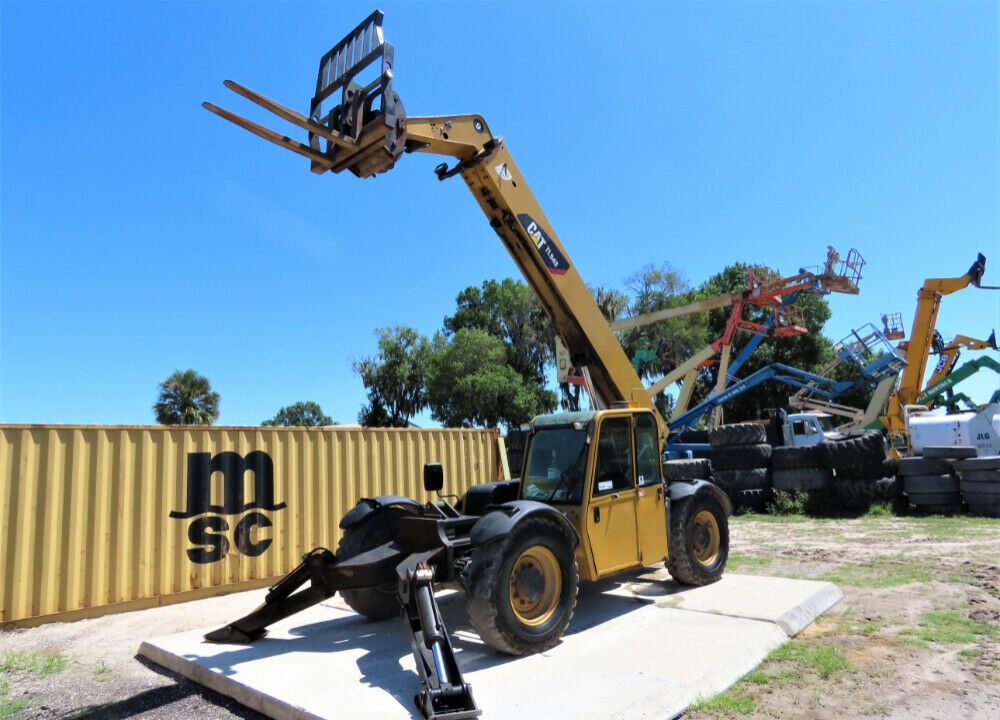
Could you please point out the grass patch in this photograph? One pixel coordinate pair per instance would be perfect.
(32, 664)
(883, 571)
(880, 510)
(824, 660)
(951, 628)
(747, 563)
(11, 709)
(102, 672)
(728, 703)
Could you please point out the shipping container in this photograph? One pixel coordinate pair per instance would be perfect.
(105, 518)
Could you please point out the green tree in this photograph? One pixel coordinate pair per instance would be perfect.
(471, 384)
(300, 414)
(508, 310)
(394, 378)
(186, 398)
(671, 341)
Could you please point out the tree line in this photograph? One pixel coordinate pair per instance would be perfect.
(489, 364)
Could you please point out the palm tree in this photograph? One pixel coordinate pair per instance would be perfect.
(186, 398)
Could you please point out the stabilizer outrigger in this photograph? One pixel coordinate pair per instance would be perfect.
(408, 561)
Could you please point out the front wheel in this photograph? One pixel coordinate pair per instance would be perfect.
(699, 540)
(521, 588)
(380, 602)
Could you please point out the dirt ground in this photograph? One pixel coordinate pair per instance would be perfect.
(917, 634)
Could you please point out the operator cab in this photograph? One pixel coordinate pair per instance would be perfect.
(602, 469)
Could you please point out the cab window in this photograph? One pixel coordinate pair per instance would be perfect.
(647, 452)
(614, 456)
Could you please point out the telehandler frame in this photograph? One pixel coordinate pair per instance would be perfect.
(591, 501)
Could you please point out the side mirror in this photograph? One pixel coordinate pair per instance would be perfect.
(433, 477)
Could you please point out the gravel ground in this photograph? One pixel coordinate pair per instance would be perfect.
(916, 636)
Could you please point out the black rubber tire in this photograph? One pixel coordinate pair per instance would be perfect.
(691, 469)
(939, 509)
(949, 452)
(867, 449)
(980, 475)
(738, 457)
(860, 493)
(733, 481)
(494, 568)
(795, 456)
(929, 484)
(792, 479)
(987, 462)
(871, 471)
(982, 494)
(752, 499)
(380, 602)
(935, 499)
(923, 466)
(737, 434)
(699, 540)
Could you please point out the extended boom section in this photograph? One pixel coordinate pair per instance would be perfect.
(367, 131)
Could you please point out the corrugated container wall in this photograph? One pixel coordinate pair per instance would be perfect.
(100, 518)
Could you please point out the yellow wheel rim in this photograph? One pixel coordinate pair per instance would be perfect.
(535, 585)
(705, 538)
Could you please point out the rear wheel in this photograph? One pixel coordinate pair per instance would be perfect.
(521, 588)
(380, 602)
(699, 540)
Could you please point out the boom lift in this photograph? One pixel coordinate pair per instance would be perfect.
(918, 348)
(591, 501)
(933, 392)
(866, 349)
(775, 293)
(950, 353)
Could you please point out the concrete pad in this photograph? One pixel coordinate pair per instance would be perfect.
(790, 604)
(641, 648)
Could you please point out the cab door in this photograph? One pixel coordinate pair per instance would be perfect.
(650, 501)
(612, 529)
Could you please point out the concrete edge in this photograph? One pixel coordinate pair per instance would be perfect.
(806, 612)
(253, 699)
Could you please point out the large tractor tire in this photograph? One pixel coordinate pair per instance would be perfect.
(699, 540)
(924, 466)
(521, 588)
(980, 484)
(794, 479)
(741, 457)
(949, 452)
(793, 457)
(380, 602)
(737, 434)
(865, 449)
(687, 469)
(748, 489)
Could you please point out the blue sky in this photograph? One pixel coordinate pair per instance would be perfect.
(139, 234)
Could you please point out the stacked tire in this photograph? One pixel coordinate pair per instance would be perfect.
(799, 468)
(861, 470)
(979, 484)
(687, 470)
(740, 459)
(930, 482)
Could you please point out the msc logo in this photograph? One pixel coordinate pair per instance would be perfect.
(208, 529)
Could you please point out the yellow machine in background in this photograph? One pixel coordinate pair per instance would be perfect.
(918, 348)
